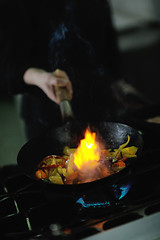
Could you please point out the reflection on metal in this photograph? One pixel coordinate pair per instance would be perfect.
(28, 224)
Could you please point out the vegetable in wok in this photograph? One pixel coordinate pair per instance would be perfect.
(58, 169)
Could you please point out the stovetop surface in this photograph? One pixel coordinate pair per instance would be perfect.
(28, 211)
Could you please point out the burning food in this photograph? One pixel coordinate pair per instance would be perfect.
(89, 162)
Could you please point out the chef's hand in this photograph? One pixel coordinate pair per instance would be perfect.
(48, 80)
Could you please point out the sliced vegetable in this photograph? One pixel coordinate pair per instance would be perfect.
(129, 152)
(56, 179)
(60, 169)
(68, 151)
(40, 174)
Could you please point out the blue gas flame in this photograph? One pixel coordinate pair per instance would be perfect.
(121, 191)
(92, 204)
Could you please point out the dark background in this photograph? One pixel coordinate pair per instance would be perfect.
(138, 27)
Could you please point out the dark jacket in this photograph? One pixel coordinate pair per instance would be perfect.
(73, 35)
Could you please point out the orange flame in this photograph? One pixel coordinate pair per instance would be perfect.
(87, 153)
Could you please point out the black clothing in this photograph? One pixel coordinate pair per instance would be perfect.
(75, 36)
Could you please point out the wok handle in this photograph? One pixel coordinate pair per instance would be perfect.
(64, 103)
(61, 93)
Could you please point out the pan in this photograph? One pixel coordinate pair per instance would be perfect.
(113, 134)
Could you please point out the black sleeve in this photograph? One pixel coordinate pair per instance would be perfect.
(24, 42)
(97, 26)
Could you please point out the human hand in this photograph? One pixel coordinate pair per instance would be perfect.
(48, 80)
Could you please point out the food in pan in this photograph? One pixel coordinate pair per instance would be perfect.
(89, 162)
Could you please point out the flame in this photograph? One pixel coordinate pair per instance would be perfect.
(88, 152)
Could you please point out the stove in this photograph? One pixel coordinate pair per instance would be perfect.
(28, 211)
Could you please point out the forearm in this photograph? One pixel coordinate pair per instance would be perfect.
(33, 76)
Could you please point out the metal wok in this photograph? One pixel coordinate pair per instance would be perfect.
(113, 134)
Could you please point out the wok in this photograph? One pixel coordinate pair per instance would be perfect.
(113, 134)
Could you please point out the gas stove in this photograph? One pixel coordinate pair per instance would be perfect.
(28, 211)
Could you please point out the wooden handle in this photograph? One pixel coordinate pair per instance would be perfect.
(66, 110)
(65, 106)
(61, 93)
